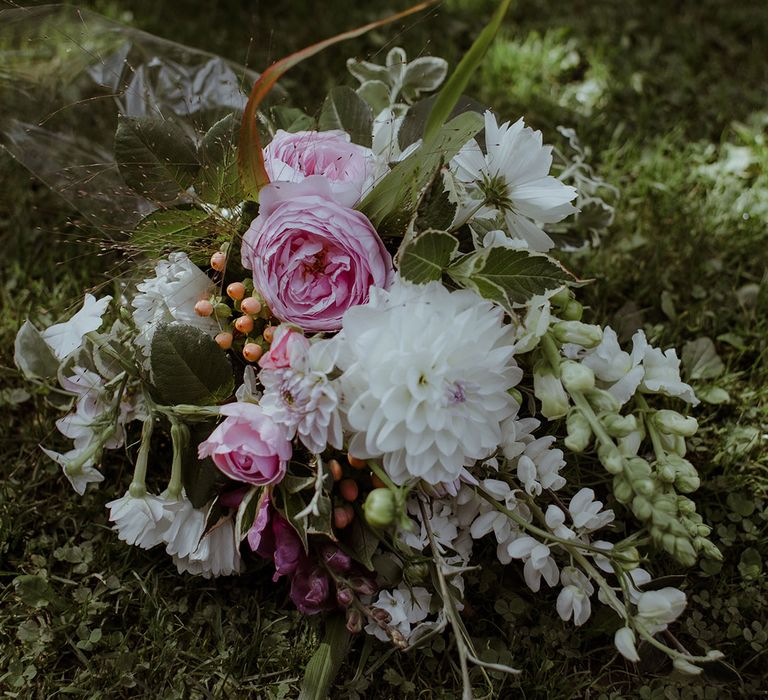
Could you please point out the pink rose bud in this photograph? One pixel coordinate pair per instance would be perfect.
(289, 347)
(350, 169)
(313, 258)
(248, 445)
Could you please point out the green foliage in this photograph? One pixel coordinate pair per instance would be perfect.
(344, 109)
(166, 230)
(425, 258)
(188, 367)
(32, 354)
(219, 182)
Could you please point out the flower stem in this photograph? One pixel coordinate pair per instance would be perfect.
(138, 488)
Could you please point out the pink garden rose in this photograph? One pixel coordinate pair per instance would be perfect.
(288, 348)
(248, 445)
(311, 257)
(348, 167)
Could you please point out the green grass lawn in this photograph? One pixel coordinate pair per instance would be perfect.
(670, 101)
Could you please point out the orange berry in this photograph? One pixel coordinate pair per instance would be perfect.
(356, 462)
(203, 308)
(218, 261)
(335, 468)
(377, 483)
(252, 352)
(343, 516)
(224, 340)
(349, 490)
(244, 324)
(269, 333)
(250, 306)
(236, 291)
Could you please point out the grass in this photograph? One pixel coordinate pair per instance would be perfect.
(670, 103)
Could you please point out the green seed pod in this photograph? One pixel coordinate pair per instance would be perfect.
(379, 507)
(584, 334)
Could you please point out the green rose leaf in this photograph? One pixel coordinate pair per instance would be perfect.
(166, 230)
(32, 355)
(188, 367)
(344, 109)
(219, 180)
(155, 157)
(393, 202)
(508, 276)
(427, 256)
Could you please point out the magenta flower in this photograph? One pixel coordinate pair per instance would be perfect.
(292, 157)
(311, 591)
(313, 258)
(248, 445)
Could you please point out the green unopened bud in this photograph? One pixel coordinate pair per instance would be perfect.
(416, 573)
(687, 483)
(686, 506)
(703, 530)
(667, 473)
(628, 557)
(576, 377)
(673, 423)
(584, 334)
(611, 458)
(645, 487)
(707, 549)
(619, 426)
(642, 507)
(629, 445)
(622, 489)
(684, 552)
(579, 432)
(379, 507)
(638, 468)
(561, 298)
(661, 520)
(573, 311)
(549, 390)
(665, 503)
(602, 401)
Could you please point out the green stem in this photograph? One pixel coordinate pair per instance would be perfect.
(138, 488)
(551, 352)
(585, 407)
(180, 439)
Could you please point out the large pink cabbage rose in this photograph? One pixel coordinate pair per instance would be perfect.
(248, 445)
(292, 157)
(312, 258)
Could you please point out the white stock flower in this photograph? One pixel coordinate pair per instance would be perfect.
(217, 554)
(624, 641)
(659, 608)
(304, 400)
(538, 561)
(171, 295)
(513, 177)
(65, 338)
(428, 404)
(79, 475)
(573, 600)
(140, 521)
(406, 607)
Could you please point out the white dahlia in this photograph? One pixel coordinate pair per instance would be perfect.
(426, 375)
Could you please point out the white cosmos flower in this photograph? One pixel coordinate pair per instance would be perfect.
(217, 554)
(65, 338)
(513, 177)
(573, 600)
(79, 475)
(414, 395)
(141, 521)
(171, 295)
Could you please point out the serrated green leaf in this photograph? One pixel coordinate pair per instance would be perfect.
(188, 366)
(218, 181)
(344, 109)
(32, 354)
(515, 274)
(167, 230)
(155, 157)
(425, 257)
(393, 202)
(327, 659)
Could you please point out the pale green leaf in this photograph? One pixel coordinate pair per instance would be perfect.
(425, 257)
(344, 109)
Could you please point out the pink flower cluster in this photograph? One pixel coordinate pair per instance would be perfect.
(312, 254)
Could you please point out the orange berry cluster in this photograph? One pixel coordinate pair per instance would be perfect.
(348, 487)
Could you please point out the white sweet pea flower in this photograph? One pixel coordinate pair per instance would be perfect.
(79, 473)
(573, 600)
(555, 519)
(513, 178)
(536, 323)
(538, 561)
(659, 608)
(624, 641)
(491, 520)
(140, 521)
(65, 338)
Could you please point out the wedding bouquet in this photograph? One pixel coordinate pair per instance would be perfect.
(366, 360)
